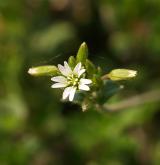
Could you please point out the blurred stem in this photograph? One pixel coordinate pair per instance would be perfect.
(148, 97)
(105, 77)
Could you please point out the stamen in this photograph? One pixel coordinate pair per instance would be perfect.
(72, 80)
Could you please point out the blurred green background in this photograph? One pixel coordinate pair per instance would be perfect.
(36, 128)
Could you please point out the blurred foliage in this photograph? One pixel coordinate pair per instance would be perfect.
(36, 128)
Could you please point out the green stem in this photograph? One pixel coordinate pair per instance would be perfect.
(145, 98)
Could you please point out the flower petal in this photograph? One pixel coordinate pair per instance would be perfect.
(60, 79)
(77, 68)
(81, 72)
(59, 85)
(84, 87)
(67, 68)
(84, 81)
(62, 70)
(66, 92)
(72, 93)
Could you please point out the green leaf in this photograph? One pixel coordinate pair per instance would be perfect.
(47, 70)
(82, 54)
(108, 89)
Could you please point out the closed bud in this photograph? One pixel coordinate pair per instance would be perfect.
(121, 74)
(72, 61)
(82, 54)
(47, 70)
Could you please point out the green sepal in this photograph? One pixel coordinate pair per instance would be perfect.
(72, 61)
(97, 81)
(90, 68)
(47, 70)
(82, 54)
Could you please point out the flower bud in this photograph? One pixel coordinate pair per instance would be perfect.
(72, 61)
(48, 70)
(82, 54)
(121, 74)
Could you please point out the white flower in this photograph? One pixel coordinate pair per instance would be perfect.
(71, 80)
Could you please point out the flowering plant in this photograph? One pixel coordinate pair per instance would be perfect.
(79, 75)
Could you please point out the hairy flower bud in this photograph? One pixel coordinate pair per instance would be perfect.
(47, 70)
(121, 74)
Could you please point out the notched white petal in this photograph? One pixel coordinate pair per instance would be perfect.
(60, 79)
(66, 92)
(59, 85)
(84, 87)
(67, 68)
(81, 72)
(85, 81)
(72, 93)
(62, 70)
(77, 68)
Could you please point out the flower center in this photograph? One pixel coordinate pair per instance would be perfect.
(73, 80)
